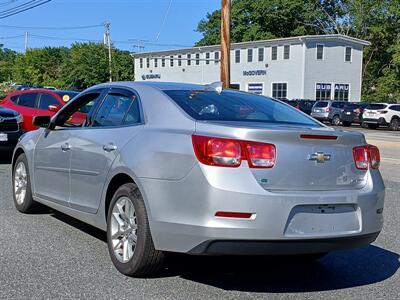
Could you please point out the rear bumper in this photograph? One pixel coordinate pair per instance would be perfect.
(182, 215)
(353, 118)
(380, 121)
(279, 247)
(320, 116)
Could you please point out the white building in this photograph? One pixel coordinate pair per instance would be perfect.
(307, 67)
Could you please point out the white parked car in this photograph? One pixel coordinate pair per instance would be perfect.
(382, 114)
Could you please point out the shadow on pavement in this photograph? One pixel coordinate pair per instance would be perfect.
(5, 157)
(338, 270)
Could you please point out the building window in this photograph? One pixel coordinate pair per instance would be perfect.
(236, 86)
(274, 53)
(347, 55)
(286, 52)
(141, 63)
(323, 91)
(148, 62)
(237, 56)
(179, 60)
(255, 88)
(342, 92)
(189, 59)
(320, 52)
(207, 58)
(163, 62)
(155, 63)
(197, 59)
(171, 61)
(249, 55)
(279, 90)
(260, 54)
(216, 57)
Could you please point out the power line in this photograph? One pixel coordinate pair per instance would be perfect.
(164, 20)
(25, 9)
(19, 6)
(52, 28)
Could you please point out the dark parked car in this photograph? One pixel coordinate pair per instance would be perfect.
(352, 113)
(305, 105)
(290, 102)
(10, 128)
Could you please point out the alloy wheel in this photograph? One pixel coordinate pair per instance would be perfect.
(20, 182)
(124, 229)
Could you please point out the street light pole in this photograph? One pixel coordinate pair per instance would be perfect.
(226, 43)
(107, 40)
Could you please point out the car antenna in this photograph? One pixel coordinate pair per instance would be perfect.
(215, 86)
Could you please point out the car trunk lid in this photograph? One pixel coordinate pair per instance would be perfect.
(307, 158)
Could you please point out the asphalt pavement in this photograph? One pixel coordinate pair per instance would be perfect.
(50, 255)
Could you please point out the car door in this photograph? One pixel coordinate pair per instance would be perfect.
(52, 155)
(27, 107)
(94, 149)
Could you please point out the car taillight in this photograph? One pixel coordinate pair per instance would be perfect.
(217, 151)
(222, 152)
(260, 155)
(365, 156)
(328, 109)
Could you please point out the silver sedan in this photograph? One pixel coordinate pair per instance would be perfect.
(200, 170)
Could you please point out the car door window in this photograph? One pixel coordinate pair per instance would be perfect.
(116, 110)
(28, 100)
(46, 100)
(78, 113)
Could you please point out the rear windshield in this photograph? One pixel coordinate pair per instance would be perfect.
(352, 106)
(236, 106)
(66, 95)
(376, 106)
(321, 104)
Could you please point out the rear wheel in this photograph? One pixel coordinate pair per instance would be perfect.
(335, 120)
(372, 126)
(394, 124)
(128, 234)
(22, 192)
(346, 124)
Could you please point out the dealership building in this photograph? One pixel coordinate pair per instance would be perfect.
(319, 67)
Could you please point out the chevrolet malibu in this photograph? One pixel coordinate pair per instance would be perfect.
(167, 167)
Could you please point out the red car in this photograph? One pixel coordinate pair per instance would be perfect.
(31, 103)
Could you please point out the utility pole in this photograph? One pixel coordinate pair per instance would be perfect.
(226, 43)
(107, 41)
(26, 41)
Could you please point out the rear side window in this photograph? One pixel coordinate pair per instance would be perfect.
(376, 106)
(395, 107)
(14, 99)
(27, 100)
(321, 104)
(46, 100)
(232, 105)
(117, 110)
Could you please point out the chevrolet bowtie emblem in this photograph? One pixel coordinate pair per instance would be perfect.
(319, 157)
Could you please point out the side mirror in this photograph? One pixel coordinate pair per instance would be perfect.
(54, 108)
(41, 121)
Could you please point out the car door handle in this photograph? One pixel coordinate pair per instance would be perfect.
(109, 147)
(65, 147)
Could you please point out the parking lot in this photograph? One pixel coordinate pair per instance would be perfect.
(50, 255)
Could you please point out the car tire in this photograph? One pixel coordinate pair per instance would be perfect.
(346, 124)
(394, 124)
(335, 120)
(22, 192)
(372, 126)
(130, 243)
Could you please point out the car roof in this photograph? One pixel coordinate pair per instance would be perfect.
(152, 84)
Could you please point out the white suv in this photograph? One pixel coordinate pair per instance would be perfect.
(382, 114)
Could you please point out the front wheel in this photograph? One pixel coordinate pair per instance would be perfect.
(394, 125)
(22, 192)
(130, 243)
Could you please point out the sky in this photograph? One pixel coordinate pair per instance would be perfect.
(163, 24)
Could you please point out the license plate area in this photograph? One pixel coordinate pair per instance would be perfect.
(3, 137)
(323, 220)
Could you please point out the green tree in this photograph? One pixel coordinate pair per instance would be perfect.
(7, 58)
